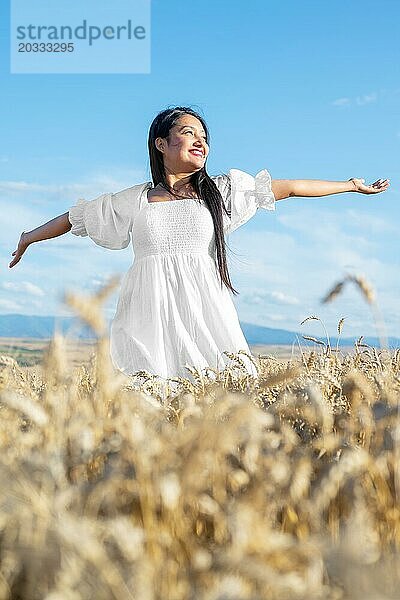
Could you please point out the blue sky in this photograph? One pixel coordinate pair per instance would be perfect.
(307, 90)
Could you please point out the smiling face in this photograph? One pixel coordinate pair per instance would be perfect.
(186, 149)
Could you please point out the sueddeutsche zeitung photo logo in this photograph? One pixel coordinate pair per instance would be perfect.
(90, 38)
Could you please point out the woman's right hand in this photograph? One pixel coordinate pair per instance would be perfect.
(22, 246)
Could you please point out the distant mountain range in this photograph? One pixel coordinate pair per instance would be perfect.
(257, 335)
(32, 326)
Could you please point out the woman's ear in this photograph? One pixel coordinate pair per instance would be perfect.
(159, 144)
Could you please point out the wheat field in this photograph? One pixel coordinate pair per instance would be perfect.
(284, 486)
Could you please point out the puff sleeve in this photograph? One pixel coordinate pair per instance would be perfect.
(243, 194)
(108, 219)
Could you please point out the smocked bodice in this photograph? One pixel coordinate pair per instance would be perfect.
(182, 226)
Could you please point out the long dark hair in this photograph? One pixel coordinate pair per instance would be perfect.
(202, 183)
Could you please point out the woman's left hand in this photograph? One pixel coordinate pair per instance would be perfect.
(380, 185)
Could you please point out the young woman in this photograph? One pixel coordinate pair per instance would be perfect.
(174, 306)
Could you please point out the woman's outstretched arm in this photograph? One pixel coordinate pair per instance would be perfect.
(57, 226)
(285, 188)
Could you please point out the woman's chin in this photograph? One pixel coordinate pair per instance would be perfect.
(194, 165)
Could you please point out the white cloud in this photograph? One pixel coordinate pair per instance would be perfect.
(369, 223)
(282, 298)
(341, 102)
(93, 184)
(366, 98)
(277, 317)
(24, 186)
(358, 100)
(275, 297)
(24, 287)
(97, 282)
(9, 305)
(349, 228)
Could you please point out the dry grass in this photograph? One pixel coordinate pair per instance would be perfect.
(285, 486)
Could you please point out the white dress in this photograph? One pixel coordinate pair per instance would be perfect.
(172, 309)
